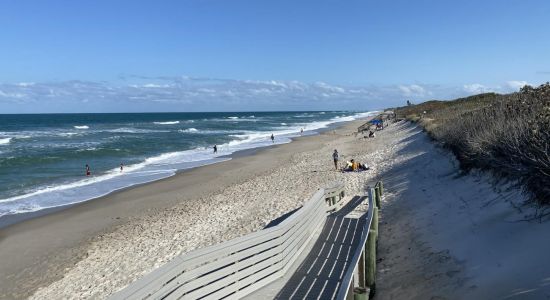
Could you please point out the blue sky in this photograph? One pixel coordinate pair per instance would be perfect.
(101, 56)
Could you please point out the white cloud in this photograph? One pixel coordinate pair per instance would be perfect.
(262, 91)
(476, 88)
(182, 93)
(413, 90)
(515, 85)
(153, 85)
(12, 95)
(507, 87)
(329, 88)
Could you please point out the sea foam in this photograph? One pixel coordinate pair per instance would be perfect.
(189, 130)
(167, 123)
(158, 166)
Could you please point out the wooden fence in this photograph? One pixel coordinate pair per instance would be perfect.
(359, 282)
(333, 197)
(240, 266)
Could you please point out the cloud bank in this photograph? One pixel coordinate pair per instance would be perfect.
(140, 93)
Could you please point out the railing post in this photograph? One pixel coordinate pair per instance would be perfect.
(361, 269)
(361, 294)
(374, 224)
(373, 194)
(371, 261)
(372, 238)
(350, 290)
(378, 195)
(381, 187)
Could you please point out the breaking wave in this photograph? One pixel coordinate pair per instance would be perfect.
(167, 123)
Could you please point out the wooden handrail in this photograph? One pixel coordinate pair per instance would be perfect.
(334, 196)
(240, 266)
(367, 247)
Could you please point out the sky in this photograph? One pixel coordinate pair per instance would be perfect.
(232, 55)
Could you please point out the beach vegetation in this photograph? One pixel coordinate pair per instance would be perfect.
(507, 135)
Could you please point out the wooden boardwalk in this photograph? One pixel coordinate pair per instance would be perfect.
(316, 252)
(319, 274)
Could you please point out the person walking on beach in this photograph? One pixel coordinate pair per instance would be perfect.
(215, 149)
(272, 138)
(335, 158)
(301, 131)
(88, 173)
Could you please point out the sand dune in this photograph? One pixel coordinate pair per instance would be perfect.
(447, 235)
(443, 234)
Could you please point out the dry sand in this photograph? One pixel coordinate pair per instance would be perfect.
(447, 235)
(97, 248)
(443, 235)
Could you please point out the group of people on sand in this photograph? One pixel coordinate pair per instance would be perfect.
(370, 135)
(378, 125)
(351, 166)
(354, 166)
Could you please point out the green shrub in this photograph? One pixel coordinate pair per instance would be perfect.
(508, 135)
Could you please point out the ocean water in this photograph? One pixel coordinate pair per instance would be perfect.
(43, 157)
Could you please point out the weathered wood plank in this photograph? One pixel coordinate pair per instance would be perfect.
(236, 266)
(230, 284)
(348, 276)
(182, 264)
(226, 266)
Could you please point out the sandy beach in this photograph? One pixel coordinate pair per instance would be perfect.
(98, 247)
(170, 150)
(449, 235)
(443, 234)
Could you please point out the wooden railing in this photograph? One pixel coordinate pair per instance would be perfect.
(334, 196)
(359, 282)
(240, 266)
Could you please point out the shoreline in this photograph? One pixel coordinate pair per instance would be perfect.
(431, 216)
(54, 241)
(13, 219)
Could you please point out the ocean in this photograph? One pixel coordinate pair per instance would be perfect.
(43, 156)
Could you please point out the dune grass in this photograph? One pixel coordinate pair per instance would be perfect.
(507, 135)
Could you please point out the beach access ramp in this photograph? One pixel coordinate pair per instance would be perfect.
(323, 250)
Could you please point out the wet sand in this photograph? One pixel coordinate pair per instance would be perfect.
(41, 251)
